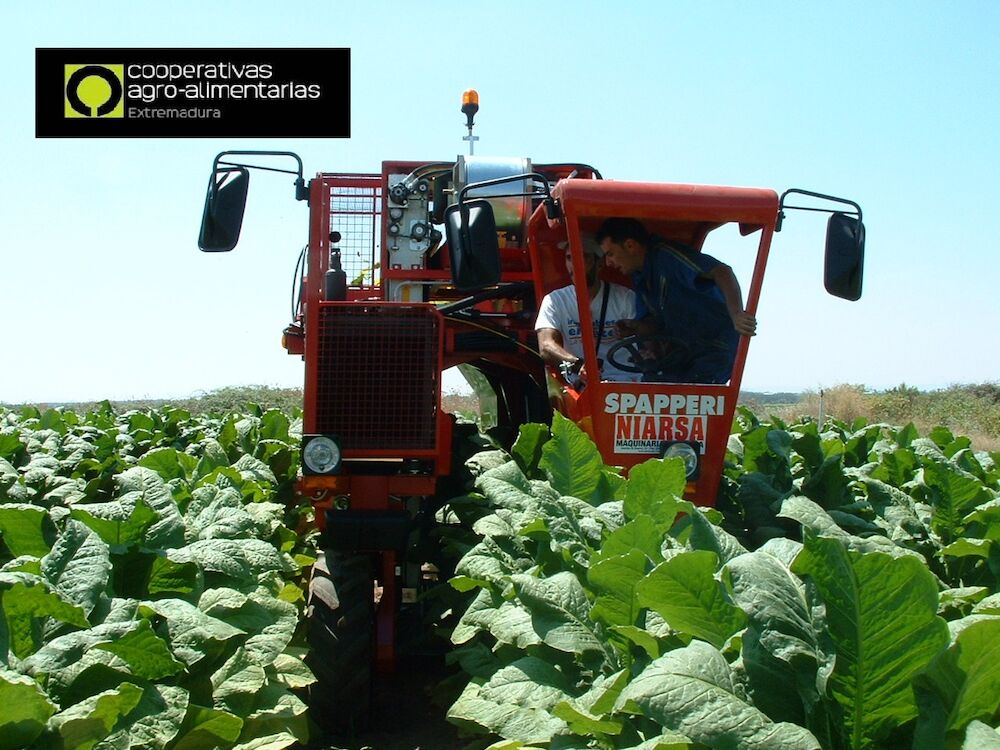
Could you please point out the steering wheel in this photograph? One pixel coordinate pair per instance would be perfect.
(641, 349)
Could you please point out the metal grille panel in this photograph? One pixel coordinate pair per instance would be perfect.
(377, 377)
(356, 212)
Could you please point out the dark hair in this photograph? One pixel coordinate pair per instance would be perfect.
(619, 229)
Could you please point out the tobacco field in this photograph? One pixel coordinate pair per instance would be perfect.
(149, 581)
(843, 595)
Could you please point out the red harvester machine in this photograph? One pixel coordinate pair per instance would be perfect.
(425, 266)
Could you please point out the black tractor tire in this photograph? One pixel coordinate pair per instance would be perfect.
(341, 624)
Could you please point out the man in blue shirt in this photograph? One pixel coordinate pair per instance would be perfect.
(689, 299)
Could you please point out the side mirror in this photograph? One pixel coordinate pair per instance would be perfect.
(845, 256)
(471, 230)
(223, 214)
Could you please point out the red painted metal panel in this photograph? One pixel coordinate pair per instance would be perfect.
(647, 200)
(628, 421)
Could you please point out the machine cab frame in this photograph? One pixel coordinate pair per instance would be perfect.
(631, 422)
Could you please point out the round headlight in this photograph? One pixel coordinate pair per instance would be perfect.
(321, 455)
(686, 453)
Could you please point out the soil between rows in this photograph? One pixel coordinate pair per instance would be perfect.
(404, 717)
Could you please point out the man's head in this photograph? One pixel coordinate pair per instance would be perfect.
(590, 257)
(623, 242)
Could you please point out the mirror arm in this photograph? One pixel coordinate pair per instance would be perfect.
(301, 190)
(823, 196)
(552, 208)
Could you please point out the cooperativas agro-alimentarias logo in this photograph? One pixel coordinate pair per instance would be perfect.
(94, 91)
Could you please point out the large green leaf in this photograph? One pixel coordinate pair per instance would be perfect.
(84, 724)
(290, 671)
(25, 710)
(170, 463)
(23, 529)
(654, 488)
(153, 723)
(169, 577)
(527, 449)
(268, 517)
(705, 535)
(207, 729)
(69, 649)
(882, 616)
(642, 533)
(516, 702)
(24, 600)
(768, 451)
(271, 622)
(192, 633)
(692, 690)
(120, 523)
(78, 565)
(168, 530)
(217, 513)
(492, 562)
(506, 486)
(570, 525)
(529, 682)
(980, 736)
(236, 683)
(254, 469)
(984, 521)
(573, 464)
(960, 684)
(589, 714)
(242, 560)
(508, 622)
(953, 493)
(276, 711)
(784, 651)
(213, 457)
(896, 468)
(560, 611)
(897, 511)
(616, 579)
(811, 516)
(685, 592)
(146, 654)
(819, 522)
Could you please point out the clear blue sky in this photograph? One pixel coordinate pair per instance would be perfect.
(893, 104)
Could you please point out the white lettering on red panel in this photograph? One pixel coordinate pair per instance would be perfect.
(644, 422)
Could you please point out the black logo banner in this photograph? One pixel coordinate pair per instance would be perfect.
(192, 93)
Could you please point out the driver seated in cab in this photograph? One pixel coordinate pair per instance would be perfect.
(689, 307)
(560, 341)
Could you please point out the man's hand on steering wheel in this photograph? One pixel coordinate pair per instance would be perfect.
(641, 327)
(647, 353)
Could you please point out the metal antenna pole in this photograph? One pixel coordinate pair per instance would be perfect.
(472, 141)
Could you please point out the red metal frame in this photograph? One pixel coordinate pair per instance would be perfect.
(610, 412)
(365, 492)
(622, 417)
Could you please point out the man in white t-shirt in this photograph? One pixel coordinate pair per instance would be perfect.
(558, 324)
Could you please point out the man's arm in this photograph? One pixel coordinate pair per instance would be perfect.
(550, 346)
(744, 323)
